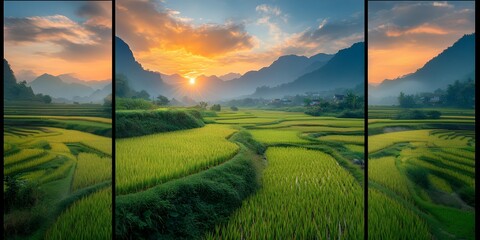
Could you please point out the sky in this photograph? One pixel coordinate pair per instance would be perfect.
(403, 36)
(59, 37)
(216, 37)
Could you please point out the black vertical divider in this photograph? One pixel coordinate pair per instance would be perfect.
(477, 218)
(113, 119)
(3, 126)
(365, 127)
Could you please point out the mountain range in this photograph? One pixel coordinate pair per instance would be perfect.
(457, 62)
(95, 84)
(289, 74)
(346, 69)
(66, 88)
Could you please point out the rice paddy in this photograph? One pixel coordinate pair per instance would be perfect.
(40, 155)
(150, 160)
(424, 179)
(319, 196)
(309, 187)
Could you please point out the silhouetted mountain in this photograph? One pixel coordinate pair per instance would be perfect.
(174, 79)
(95, 84)
(8, 76)
(230, 76)
(317, 62)
(285, 69)
(55, 87)
(454, 63)
(344, 70)
(97, 96)
(138, 78)
(13, 90)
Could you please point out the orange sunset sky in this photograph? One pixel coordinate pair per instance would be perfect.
(403, 36)
(59, 37)
(216, 37)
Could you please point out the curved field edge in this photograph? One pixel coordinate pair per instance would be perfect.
(443, 222)
(141, 161)
(140, 123)
(188, 207)
(97, 127)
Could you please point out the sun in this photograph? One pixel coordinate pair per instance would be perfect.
(191, 81)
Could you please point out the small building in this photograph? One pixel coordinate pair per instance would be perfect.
(286, 101)
(315, 102)
(434, 99)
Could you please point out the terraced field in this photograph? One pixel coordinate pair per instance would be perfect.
(298, 166)
(422, 173)
(150, 160)
(68, 171)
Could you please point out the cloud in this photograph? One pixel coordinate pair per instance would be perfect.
(268, 9)
(76, 41)
(328, 37)
(413, 32)
(272, 17)
(149, 25)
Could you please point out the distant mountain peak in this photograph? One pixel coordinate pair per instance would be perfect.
(453, 63)
(138, 77)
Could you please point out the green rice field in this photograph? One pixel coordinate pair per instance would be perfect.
(422, 174)
(308, 166)
(63, 164)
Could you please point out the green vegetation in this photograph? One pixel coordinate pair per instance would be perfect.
(199, 183)
(147, 161)
(133, 104)
(139, 123)
(299, 189)
(422, 174)
(87, 218)
(54, 165)
(187, 207)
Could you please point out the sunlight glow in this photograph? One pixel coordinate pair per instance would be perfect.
(191, 81)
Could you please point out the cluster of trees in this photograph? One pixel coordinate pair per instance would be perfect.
(128, 99)
(459, 94)
(351, 105)
(216, 107)
(123, 90)
(19, 91)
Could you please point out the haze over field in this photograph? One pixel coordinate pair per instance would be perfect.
(228, 51)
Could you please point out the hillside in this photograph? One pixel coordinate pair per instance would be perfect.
(56, 87)
(457, 62)
(139, 78)
(344, 70)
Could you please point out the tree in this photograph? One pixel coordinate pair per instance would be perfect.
(406, 101)
(107, 104)
(162, 100)
(216, 107)
(351, 100)
(461, 94)
(234, 108)
(143, 95)
(307, 101)
(203, 105)
(47, 99)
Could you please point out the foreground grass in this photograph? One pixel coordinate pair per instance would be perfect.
(147, 161)
(305, 194)
(73, 223)
(187, 207)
